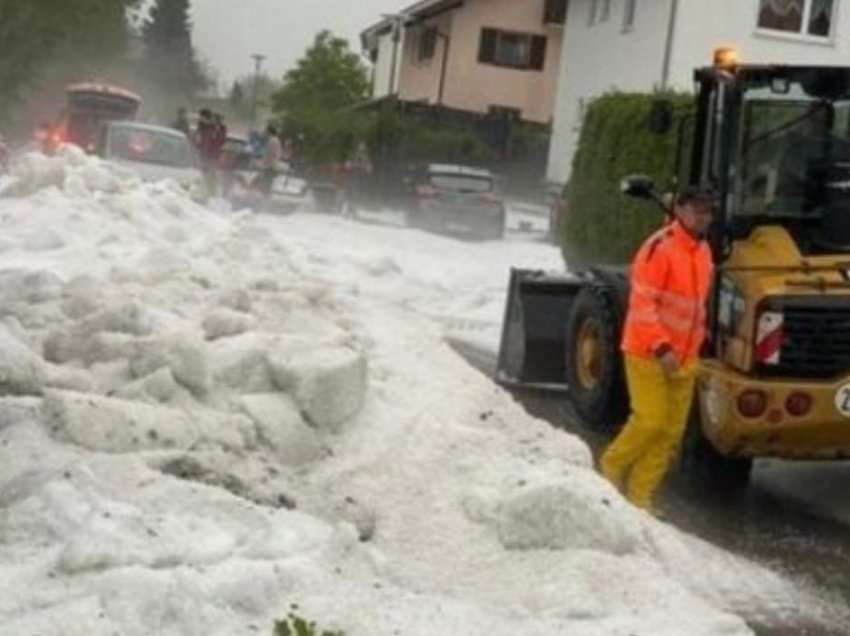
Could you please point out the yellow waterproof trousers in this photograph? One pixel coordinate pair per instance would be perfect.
(639, 458)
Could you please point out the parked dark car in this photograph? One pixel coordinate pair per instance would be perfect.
(456, 200)
(236, 155)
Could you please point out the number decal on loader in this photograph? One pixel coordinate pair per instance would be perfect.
(842, 400)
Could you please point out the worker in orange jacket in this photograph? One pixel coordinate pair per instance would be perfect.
(664, 331)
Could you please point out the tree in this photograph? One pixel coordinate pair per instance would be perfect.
(57, 35)
(266, 87)
(168, 26)
(315, 103)
(237, 95)
(171, 58)
(616, 141)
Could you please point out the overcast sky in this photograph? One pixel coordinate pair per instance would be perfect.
(227, 32)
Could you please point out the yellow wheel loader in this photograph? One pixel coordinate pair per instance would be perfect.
(774, 378)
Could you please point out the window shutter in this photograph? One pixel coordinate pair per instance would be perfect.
(538, 52)
(555, 12)
(487, 51)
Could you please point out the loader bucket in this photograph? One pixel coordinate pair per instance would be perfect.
(533, 349)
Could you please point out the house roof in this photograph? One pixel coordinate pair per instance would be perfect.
(418, 11)
(103, 89)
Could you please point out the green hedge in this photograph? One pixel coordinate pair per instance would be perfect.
(407, 138)
(600, 225)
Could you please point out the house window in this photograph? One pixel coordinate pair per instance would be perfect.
(555, 12)
(522, 51)
(427, 45)
(629, 16)
(513, 49)
(799, 17)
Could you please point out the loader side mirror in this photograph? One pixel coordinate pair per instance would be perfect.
(660, 116)
(639, 186)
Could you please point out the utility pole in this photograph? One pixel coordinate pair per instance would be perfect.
(258, 62)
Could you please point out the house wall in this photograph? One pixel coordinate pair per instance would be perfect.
(420, 80)
(702, 28)
(602, 58)
(381, 84)
(475, 87)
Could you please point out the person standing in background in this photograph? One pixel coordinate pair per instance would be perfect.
(182, 122)
(220, 131)
(358, 170)
(269, 163)
(5, 156)
(207, 140)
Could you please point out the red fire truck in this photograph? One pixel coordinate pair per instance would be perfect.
(87, 107)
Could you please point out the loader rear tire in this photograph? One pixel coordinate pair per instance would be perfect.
(594, 363)
(703, 466)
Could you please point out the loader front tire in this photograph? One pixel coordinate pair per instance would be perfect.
(594, 363)
(703, 466)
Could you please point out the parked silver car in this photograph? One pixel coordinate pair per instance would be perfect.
(152, 152)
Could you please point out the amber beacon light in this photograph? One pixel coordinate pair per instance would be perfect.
(726, 57)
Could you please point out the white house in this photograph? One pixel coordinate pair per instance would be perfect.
(639, 45)
(385, 44)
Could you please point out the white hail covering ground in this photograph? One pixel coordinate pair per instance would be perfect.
(206, 418)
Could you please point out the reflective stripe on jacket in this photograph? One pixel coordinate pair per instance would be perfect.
(670, 281)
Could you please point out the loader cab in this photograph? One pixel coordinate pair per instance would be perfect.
(774, 141)
(774, 378)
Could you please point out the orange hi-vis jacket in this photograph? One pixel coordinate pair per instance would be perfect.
(670, 282)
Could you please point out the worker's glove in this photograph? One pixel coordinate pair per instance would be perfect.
(669, 364)
(667, 359)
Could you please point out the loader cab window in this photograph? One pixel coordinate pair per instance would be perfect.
(700, 152)
(793, 164)
(711, 154)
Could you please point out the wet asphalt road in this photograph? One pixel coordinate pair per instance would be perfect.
(783, 531)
